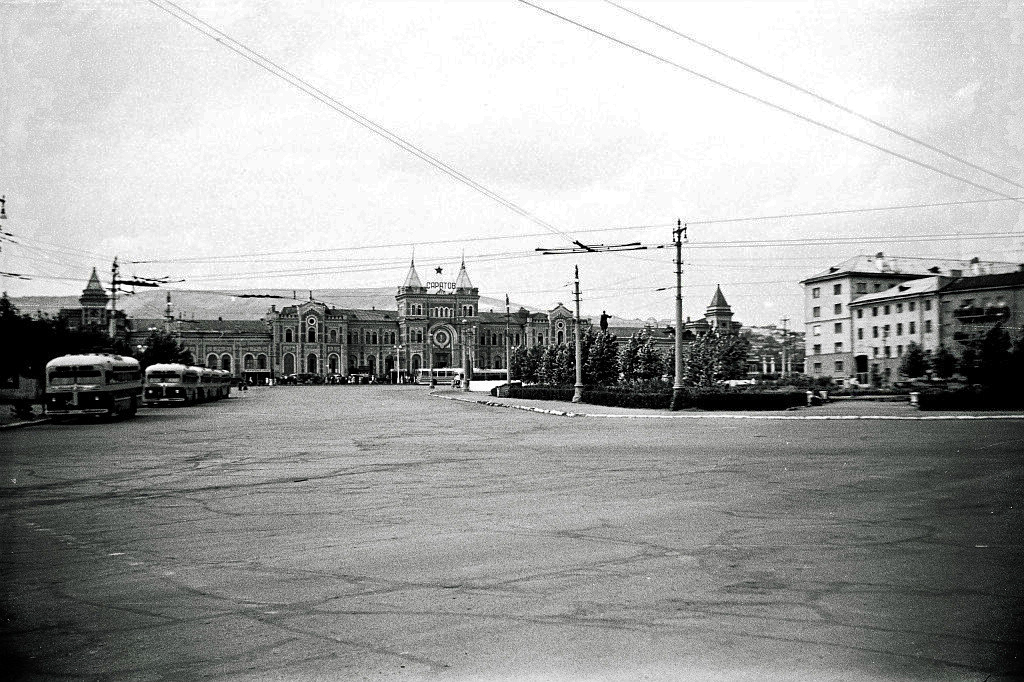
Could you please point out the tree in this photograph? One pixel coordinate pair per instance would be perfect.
(914, 362)
(640, 360)
(942, 363)
(526, 363)
(601, 359)
(161, 346)
(994, 357)
(716, 356)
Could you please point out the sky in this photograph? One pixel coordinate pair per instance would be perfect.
(125, 132)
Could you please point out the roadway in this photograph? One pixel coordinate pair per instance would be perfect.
(368, 532)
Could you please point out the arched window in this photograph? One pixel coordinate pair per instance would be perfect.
(416, 363)
(371, 362)
(352, 362)
(561, 337)
(311, 335)
(517, 339)
(225, 362)
(261, 361)
(211, 361)
(288, 335)
(334, 336)
(373, 338)
(311, 363)
(332, 363)
(289, 363)
(248, 362)
(497, 363)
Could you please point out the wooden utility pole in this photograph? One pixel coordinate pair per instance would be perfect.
(678, 235)
(577, 394)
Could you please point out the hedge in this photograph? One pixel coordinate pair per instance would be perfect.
(700, 398)
(971, 399)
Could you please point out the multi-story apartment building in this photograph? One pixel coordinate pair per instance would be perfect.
(830, 332)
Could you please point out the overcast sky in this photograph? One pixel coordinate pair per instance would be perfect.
(124, 131)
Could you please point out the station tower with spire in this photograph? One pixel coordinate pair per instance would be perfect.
(439, 317)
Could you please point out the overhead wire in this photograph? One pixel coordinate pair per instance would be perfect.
(284, 74)
(761, 100)
(817, 96)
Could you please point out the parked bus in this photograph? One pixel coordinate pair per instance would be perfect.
(214, 384)
(171, 383)
(442, 375)
(97, 384)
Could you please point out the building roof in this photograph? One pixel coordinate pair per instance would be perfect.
(94, 283)
(914, 287)
(1008, 279)
(718, 300)
(372, 315)
(412, 279)
(227, 326)
(907, 267)
(462, 281)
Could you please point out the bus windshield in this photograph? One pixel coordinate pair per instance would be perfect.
(165, 377)
(65, 376)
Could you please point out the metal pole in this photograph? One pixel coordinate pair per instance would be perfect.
(677, 385)
(577, 394)
(508, 345)
(785, 340)
(467, 364)
(113, 298)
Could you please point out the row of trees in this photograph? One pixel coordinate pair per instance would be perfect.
(989, 359)
(711, 357)
(30, 343)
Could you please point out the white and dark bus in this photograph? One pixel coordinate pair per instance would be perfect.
(442, 375)
(168, 383)
(214, 384)
(96, 384)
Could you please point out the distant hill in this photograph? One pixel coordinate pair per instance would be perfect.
(243, 304)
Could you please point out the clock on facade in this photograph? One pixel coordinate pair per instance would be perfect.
(311, 321)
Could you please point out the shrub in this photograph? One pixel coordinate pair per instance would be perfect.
(971, 398)
(659, 397)
(541, 393)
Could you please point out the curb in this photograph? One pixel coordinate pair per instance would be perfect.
(19, 425)
(765, 417)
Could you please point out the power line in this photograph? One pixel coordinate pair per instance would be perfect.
(765, 102)
(277, 70)
(435, 242)
(818, 97)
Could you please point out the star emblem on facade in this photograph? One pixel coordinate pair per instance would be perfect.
(439, 270)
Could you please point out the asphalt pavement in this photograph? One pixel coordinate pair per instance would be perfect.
(369, 532)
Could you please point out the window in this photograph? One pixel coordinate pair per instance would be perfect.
(837, 289)
(874, 332)
(287, 335)
(837, 309)
(334, 336)
(261, 361)
(912, 306)
(817, 349)
(816, 292)
(311, 335)
(838, 328)
(878, 287)
(839, 347)
(817, 368)
(373, 338)
(927, 326)
(874, 311)
(816, 312)
(874, 351)
(899, 329)
(860, 333)
(899, 350)
(888, 351)
(928, 304)
(839, 365)
(860, 313)
(816, 330)
(899, 307)
(912, 327)
(887, 310)
(956, 273)
(862, 287)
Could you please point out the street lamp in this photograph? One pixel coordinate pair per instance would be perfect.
(467, 356)
(398, 363)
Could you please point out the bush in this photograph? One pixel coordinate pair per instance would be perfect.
(659, 397)
(971, 398)
(561, 393)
